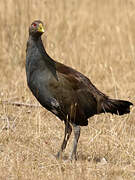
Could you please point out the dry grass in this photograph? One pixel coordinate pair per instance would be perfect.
(95, 37)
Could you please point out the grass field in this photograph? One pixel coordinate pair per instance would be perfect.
(95, 37)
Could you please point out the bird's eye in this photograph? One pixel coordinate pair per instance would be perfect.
(34, 24)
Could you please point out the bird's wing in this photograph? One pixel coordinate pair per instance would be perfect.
(74, 91)
(78, 80)
(69, 72)
(82, 91)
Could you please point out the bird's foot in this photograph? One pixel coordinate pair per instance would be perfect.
(73, 157)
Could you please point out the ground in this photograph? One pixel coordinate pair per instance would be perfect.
(95, 37)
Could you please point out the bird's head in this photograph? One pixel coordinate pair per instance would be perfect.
(36, 29)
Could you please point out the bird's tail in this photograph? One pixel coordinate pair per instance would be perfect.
(118, 107)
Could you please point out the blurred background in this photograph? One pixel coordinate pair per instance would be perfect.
(96, 37)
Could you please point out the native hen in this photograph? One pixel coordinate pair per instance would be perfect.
(64, 91)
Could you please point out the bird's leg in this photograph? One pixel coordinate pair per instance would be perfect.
(76, 129)
(68, 131)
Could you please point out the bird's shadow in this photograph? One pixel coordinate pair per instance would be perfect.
(81, 157)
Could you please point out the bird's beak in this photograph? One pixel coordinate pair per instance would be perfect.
(40, 28)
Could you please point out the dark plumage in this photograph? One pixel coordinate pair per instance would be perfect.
(64, 91)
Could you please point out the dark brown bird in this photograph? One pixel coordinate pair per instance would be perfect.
(64, 91)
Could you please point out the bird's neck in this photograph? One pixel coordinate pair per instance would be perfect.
(49, 62)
